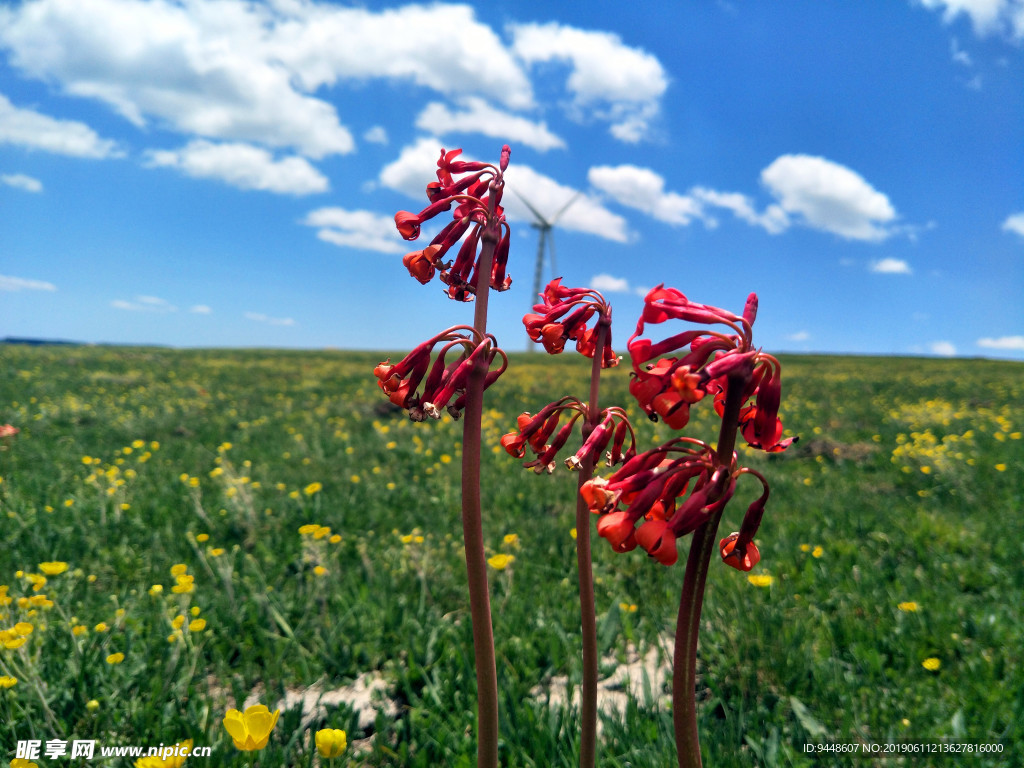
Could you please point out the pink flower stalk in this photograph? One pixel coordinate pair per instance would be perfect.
(666, 385)
(562, 315)
(444, 381)
(474, 211)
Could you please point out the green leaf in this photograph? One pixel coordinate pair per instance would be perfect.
(807, 720)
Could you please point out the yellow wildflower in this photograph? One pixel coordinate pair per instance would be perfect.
(197, 625)
(312, 488)
(6, 681)
(203, 537)
(760, 579)
(101, 627)
(156, 589)
(178, 569)
(115, 658)
(817, 552)
(932, 664)
(331, 742)
(500, 562)
(53, 568)
(908, 607)
(511, 539)
(250, 730)
(92, 705)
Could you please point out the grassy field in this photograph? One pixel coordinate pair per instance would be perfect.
(894, 540)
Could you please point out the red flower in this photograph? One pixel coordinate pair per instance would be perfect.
(476, 198)
(667, 384)
(444, 385)
(535, 431)
(673, 489)
(562, 315)
(8, 430)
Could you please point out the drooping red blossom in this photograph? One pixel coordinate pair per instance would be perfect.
(476, 199)
(534, 431)
(562, 316)
(671, 375)
(444, 380)
(670, 491)
(8, 430)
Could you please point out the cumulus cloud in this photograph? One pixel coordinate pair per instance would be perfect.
(378, 134)
(1012, 343)
(199, 68)
(417, 163)
(33, 130)
(363, 230)
(9, 283)
(21, 181)
(891, 266)
(243, 166)
(608, 80)
(200, 309)
(259, 317)
(606, 283)
(477, 116)
(145, 304)
(986, 16)
(799, 336)
(644, 190)
(942, 348)
(830, 197)
(1014, 223)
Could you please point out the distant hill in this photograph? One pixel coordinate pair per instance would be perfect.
(39, 342)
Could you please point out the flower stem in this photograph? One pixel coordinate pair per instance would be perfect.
(684, 677)
(472, 527)
(588, 611)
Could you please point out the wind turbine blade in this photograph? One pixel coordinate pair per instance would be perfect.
(543, 222)
(564, 208)
(539, 267)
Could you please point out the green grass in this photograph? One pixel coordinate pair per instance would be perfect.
(907, 476)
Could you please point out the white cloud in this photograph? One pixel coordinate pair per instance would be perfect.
(33, 130)
(942, 348)
(200, 68)
(891, 266)
(144, 304)
(829, 197)
(799, 336)
(200, 309)
(8, 283)
(21, 181)
(362, 230)
(441, 47)
(608, 284)
(773, 220)
(608, 79)
(477, 116)
(378, 134)
(243, 166)
(417, 163)
(259, 317)
(643, 189)
(1014, 343)
(1014, 223)
(987, 16)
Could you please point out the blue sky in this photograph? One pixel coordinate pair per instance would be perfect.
(224, 173)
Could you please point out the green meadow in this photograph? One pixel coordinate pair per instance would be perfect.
(262, 527)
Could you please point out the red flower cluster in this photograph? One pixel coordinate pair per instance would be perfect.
(666, 386)
(551, 324)
(477, 198)
(534, 431)
(649, 487)
(444, 384)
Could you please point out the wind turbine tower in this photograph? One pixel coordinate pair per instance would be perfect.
(544, 229)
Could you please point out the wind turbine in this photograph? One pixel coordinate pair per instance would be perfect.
(545, 236)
